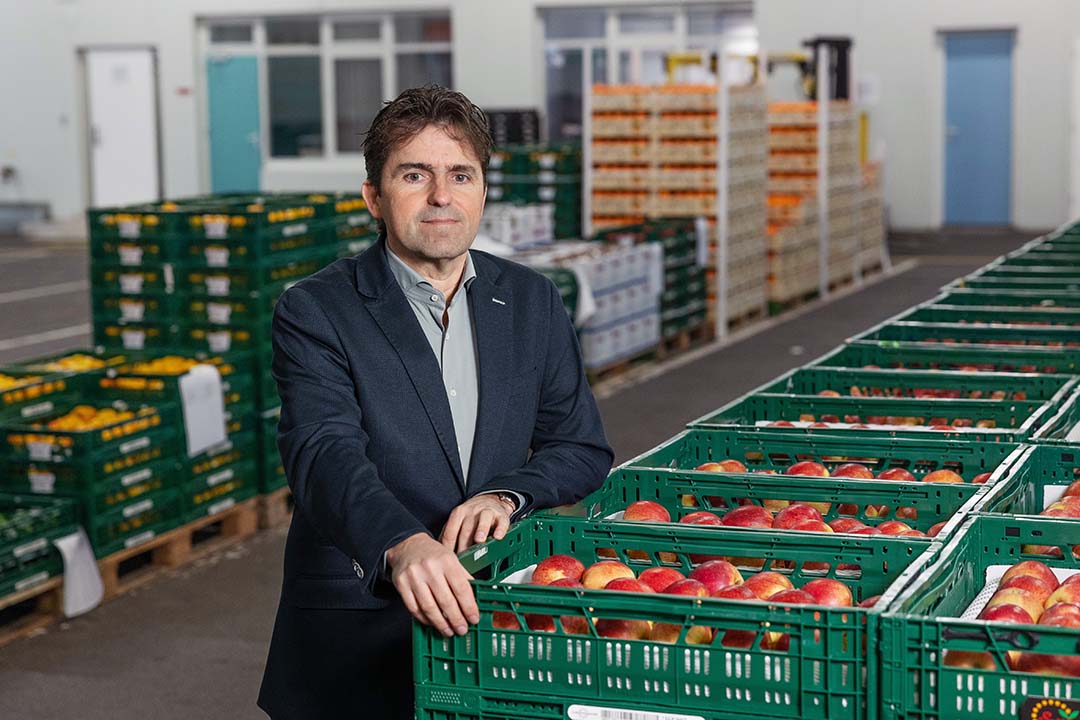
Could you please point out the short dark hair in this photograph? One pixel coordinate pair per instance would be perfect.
(413, 110)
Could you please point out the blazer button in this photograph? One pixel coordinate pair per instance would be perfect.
(359, 570)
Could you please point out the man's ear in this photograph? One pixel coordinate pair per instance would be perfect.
(371, 199)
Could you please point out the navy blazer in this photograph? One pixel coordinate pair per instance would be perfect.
(366, 434)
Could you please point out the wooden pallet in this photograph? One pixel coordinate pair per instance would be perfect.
(746, 319)
(620, 367)
(685, 339)
(28, 612)
(778, 307)
(132, 568)
(275, 508)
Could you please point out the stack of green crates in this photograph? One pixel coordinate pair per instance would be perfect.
(684, 301)
(529, 174)
(28, 526)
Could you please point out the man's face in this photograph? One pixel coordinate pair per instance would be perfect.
(432, 196)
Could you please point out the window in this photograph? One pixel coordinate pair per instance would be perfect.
(292, 32)
(421, 28)
(358, 94)
(637, 23)
(230, 34)
(357, 30)
(295, 106)
(416, 69)
(575, 23)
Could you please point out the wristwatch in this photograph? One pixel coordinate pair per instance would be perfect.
(509, 500)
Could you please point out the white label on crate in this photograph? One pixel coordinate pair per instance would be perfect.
(136, 444)
(355, 220)
(39, 409)
(167, 271)
(42, 482)
(290, 230)
(495, 193)
(480, 553)
(217, 285)
(218, 313)
(132, 310)
(221, 506)
(218, 478)
(31, 547)
(547, 194)
(216, 229)
(31, 581)
(547, 160)
(139, 507)
(216, 256)
(130, 255)
(494, 176)
(592, 712)
(136, 477)
(546, 176)
(39, 450)
(219, 340)
(139, 539)
(131, 283)
(129, 228)
(134, 339)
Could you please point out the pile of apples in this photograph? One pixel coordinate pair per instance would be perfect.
(1067, 507)
(925, 393)
(711, 579)
(856, 422)
(968, 367)
(1029, 593)
(847, 470)
(1032, 343)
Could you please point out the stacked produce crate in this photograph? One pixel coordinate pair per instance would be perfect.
(794, 236)
(519, 227)
(872, 230)
(540, 174)
(28, 526)
(907, 506)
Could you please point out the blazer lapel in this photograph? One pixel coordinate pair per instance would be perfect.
(493, 328)
(394, 315)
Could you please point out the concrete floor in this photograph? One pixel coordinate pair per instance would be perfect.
(192, 644)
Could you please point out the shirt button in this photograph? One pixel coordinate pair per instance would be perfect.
(453, 392)
(359, 570)
(434, 298)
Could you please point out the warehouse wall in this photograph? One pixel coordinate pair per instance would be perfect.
(898, 45)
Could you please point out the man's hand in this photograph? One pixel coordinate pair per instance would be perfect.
(433, 584)
(473, 520)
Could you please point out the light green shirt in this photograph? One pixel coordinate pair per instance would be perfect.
(454, 345)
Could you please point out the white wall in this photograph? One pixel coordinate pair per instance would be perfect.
(899, 44)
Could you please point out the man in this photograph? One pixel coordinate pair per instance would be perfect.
(429, 395)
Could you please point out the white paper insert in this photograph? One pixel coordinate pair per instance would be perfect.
(83, 589)
(202, 400)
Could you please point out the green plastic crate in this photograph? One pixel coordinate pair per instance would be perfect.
(246, 250)
(1049, 271)
(26, 575)
(827, 672)
(137, 523)
(223, 282)
(1013, 420)
(151, 251)
(1005, 315)
(239, 446)
(918, 356)
(1037, 478)
(992, 282)
(113, 308)
(924, 624)
(83, 365)
(220, 490)
(27, 394)
(271, 469)
(136, 337)
(137, 380)
(117, 279)
(951, 384)
(1034, 299)
(219, 338)
(1061, 261)
(991, 336)
(28, 518)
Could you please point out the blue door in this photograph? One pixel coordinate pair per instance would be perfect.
(233, 94)
(978, 128)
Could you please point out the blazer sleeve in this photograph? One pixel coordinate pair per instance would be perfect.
(322, 440)
(570, 454)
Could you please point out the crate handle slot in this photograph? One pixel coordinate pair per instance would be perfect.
(1030, 640)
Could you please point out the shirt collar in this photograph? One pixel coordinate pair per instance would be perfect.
(408, 278)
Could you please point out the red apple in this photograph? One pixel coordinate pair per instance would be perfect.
(1016, 596)
(557, 567)
(734, 592)
(1031, 584)
(845, 524)
(1006, 613)
(1073, 489)
(981, 478)
(807, 467)
(792, 515)
(659, 578)
(1065, 594)
(1072, 580)
(1055, 614)
(669, 633)
(722, 466)
(646, 511)
(624, 629)
(828, 393)
(540, 623)
(827, 591)
(943, 476)
(701, 517)
(870, 601)
(1062, 615)
(766, 584)
(898, 474)
(687, 587)
(1032, 567)
(868, 530)
(717, 574)
(782, 423)
(752, 516)
(501, 620)
(853, 470)
(601, 573)
(628, 584)
(812, 526)
(793, 597)
(936, 528)
(907, 513)
(893, 527)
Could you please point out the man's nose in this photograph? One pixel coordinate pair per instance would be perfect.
(440, 193)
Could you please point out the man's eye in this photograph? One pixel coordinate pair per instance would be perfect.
(413, 177)
(462, 178)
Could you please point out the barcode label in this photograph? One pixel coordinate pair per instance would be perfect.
(216, 228)
(139, 507)
(134, 339)
(139, 539)
(39, 409)
(129, 228)
(355, 220)
(290, 230)
(218, 313)
(31, 547)
(42, 482)
(219, 340)
(221, 506)
(217, 256)
(217, 286)
(591, 712)
(31, 581)
(39, 450)
(135, 477)
(130, 255)
(218, 478)
(133, 445)
(133, 311)
(130, 284)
